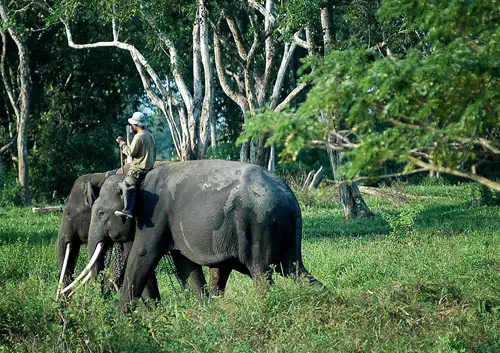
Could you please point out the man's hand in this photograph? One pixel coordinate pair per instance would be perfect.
(120, 139)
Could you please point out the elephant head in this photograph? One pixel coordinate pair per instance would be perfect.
(75, 224)
(103, 228)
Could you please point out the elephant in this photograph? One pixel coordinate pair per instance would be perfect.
(223, 214)
(74, 230)
(75, 224)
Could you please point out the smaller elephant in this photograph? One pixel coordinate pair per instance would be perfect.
(74, 230)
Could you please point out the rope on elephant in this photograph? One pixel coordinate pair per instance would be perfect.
(170, 264)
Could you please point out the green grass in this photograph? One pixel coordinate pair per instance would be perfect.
(422, 276)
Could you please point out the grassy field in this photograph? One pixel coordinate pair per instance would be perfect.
(422, 276)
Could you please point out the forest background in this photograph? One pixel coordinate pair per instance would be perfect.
(397, 86)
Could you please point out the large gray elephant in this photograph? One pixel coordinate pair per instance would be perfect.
(222, 214)
(74, 231)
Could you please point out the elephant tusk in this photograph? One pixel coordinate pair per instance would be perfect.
(85, 280)
(87, 269)
(63, 270)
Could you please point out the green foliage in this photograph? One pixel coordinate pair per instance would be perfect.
(436, 101)
(80, 100)
(296, 14)
(484, 196)
(435, 291)
(226, 151)
(10, 191)
(402, 223)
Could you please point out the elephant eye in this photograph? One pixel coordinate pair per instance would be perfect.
(100, 213)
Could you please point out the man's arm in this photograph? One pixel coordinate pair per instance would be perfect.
(131, 150)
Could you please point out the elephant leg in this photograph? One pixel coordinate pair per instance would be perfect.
(117, 266)
(151, 291)
(218, 279)
(144, 256)
(261, 269)
(190, 273)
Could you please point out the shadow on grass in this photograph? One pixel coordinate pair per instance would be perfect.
(337, 227)
(458, 218)
(449, 219)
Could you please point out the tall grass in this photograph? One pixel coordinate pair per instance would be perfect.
(423, 275)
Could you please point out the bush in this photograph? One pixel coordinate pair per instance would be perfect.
(482, 195)
(10, 194)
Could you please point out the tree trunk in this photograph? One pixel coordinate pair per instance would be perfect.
(352, 201)
(262, 85)
(20, 103)
(350, 197)
(245, 152)
(354, 205)
(2, 173)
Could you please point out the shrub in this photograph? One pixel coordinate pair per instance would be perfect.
(10, 194)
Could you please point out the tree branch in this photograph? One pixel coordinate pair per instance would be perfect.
(265, 11)
(270, 53)
(482, 180)
(226, 87)
(249, 72)
(285, 61)
(299, 41)
(291, 96)
(8, 145)
(5, 77)
(237, 36)
(174, 60)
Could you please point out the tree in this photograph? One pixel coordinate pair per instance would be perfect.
(77, 102)
(18, 88)
(426, 97)
(314, 17)
(256, 77)
(81, 102)
(188, 112)
(350, 197)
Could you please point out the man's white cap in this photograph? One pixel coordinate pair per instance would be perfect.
(138, 119)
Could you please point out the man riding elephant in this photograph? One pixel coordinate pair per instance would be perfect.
(222, 214)
(143, 153)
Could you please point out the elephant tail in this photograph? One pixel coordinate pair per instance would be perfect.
(296, 267)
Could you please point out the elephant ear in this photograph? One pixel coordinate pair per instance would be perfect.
(88, 194)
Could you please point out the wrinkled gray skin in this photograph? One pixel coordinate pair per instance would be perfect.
(74, 229)
(222, 214)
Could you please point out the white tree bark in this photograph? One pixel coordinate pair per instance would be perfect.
(207, 110)
(20, 100)
(257, 91)
(326, 27)
(188, 119)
